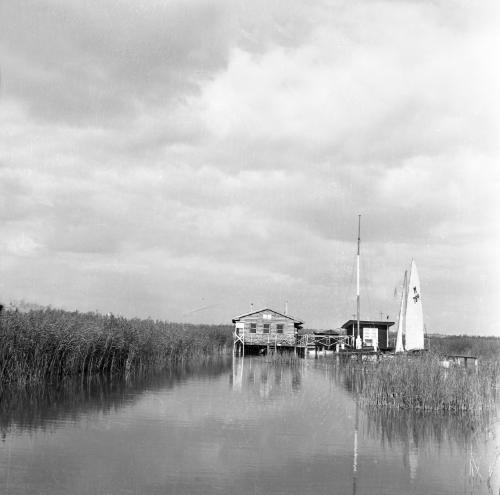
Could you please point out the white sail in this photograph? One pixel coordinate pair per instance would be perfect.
(402, 314)
(414, 318)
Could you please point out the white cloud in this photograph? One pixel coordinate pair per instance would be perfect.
(157, 156)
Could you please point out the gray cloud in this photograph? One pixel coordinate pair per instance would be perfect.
(165, 157)
(96, 62)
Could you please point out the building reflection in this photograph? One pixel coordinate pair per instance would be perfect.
(265, 378)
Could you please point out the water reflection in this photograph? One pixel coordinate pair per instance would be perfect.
(266, 379)
(403, 425)
(419, 434)
(253, 427)
(69, 400)
(419, 428)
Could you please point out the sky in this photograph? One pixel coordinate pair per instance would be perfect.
(182, 160)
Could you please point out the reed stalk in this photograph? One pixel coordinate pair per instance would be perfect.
(422, 383)
(48, 345)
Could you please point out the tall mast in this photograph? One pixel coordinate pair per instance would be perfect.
(357, 278)
(402, 315)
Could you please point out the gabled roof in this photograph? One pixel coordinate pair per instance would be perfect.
(236, 318)
(379, 323)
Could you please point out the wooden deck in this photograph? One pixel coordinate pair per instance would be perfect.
(300, 344)
(306, 344)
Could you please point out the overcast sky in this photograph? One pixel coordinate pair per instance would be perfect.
(183, 159)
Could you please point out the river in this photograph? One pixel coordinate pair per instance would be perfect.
(242, 426)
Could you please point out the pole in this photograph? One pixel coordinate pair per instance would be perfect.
(357, 282)
(355, 457)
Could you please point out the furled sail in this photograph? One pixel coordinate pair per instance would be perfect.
(401, 319)
(414, 319)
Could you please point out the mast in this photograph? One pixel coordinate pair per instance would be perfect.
(355, 457)
(357, 281)
(402, 315)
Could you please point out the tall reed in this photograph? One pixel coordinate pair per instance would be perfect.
(421, 382)
(47, 345)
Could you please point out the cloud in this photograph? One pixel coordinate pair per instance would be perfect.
(94, 63)
(168, 156)
(357, 96)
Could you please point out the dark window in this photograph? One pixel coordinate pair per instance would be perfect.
(266, 328)
(279, 328)
(253, 327)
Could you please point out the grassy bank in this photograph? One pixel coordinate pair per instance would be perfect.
(47, 345)
(422, 383)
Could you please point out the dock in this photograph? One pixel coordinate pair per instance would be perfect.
(300, 345)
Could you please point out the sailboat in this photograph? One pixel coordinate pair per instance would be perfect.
(411, 317)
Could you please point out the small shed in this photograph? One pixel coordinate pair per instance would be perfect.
(373, 333)
(265, 324)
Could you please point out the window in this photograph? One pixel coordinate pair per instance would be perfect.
(279, 328)
(253, 327)
(266, 327)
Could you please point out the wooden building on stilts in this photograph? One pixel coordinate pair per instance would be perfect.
(265, 330)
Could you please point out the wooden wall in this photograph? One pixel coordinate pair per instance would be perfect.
(382, 332)
(259, 320)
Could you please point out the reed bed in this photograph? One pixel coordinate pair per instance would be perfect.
(422, 383)
(48, 345)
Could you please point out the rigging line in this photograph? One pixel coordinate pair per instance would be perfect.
(196, 310)
(398, 291)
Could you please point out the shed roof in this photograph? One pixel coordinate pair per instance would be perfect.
(326, 332)
(296, 320)
(378, 323)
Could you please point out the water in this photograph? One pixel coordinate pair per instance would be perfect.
(248, 427)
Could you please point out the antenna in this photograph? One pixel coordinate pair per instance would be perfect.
(286, 308)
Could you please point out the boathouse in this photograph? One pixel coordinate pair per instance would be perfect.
(373, 333)
(266, 327)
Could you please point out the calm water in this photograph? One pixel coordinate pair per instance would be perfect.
(248, 427)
